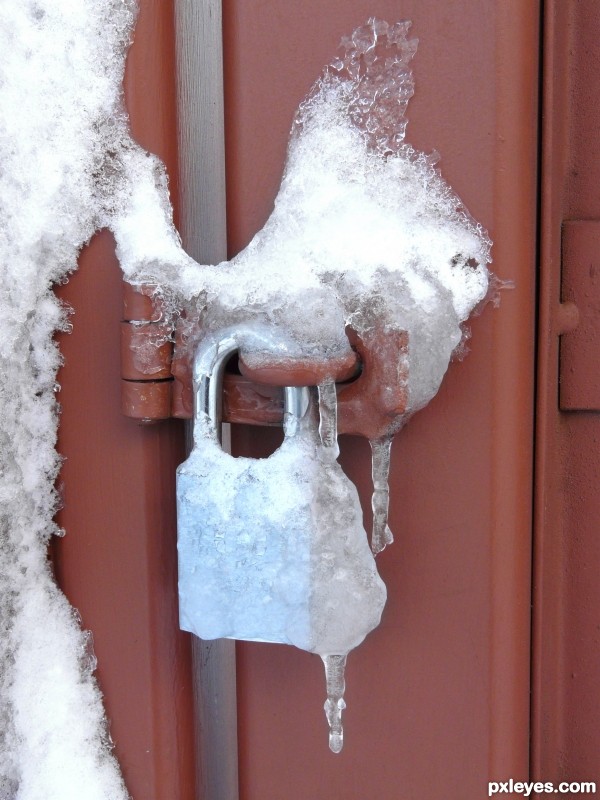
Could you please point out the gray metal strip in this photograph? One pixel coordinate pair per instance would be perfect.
(204, 236)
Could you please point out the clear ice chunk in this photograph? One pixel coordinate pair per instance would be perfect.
(274, 549)
(328, 414)
(380, 470)
(335, 666)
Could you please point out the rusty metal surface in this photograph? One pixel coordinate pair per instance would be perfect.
(302, 373)
(372, 405)
(146, 355)
(117, 563)
(566, 701)
(146, 401)
(141, 302)
(146, 351)
(372, 394)
(438, 696)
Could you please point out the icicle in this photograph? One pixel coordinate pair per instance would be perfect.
(382, 535)
(334, 705)
(328, 412)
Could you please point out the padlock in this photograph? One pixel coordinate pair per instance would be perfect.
(271, 549)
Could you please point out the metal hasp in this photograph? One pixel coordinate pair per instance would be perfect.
(157, 384)
(146, 355)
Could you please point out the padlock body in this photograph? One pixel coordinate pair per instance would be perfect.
(243, 550)
(274, 549)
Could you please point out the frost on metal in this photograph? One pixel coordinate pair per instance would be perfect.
(364, 229)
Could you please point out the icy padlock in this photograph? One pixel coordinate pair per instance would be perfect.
(271, 549)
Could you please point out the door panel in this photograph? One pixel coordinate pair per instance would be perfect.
(438, 695)
(566, 735)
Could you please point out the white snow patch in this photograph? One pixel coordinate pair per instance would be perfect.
(364, 230)
(61, 65)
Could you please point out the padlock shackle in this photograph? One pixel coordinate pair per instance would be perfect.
(296, 404)
(210, 361)
(208, 385)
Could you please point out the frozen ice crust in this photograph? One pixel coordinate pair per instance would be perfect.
(364, 230)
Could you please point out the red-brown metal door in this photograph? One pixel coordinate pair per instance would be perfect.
(566, 718)
(438, 696)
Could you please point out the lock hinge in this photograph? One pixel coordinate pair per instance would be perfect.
(156, 387)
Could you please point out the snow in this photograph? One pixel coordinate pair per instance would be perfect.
(364, 229)
(60, 68)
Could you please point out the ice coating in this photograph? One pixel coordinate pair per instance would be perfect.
(382, 535)
(271, 549)
(335, 666)
(274, 549)
(328, 413)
